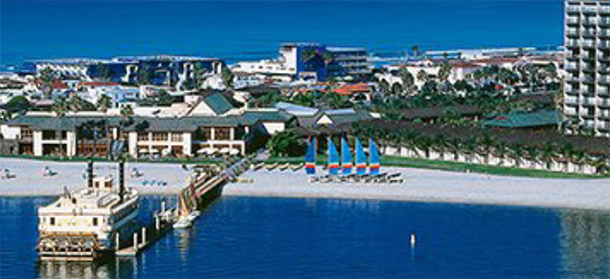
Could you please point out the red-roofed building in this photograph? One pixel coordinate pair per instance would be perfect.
(351, 89)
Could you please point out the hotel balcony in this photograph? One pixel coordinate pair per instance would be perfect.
(604, 44)
(605, 102)
(589, 68)
(589, 9)
(587, 92)
(572, 43)
(573, 33)
(589, 22)
(571, 101)
(589, 34)
(588, 43)
(573, 9)
(605, 33)
(604, 125)
(604, 79)
(573, 20)
(572, 66)
(604, 22)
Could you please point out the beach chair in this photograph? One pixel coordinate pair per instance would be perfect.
(298, 167)
(271, 166)
(395, 180)
(314, 179)
(284, 167)
(327, 178)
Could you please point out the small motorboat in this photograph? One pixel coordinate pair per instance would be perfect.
(183, 223)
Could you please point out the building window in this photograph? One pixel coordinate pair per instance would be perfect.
(142, 136)
(48, 135)
(26, 133)
(202, 134)
(52, 221)
(222, 133)
(95, 221)
(159, 136)
(176, 137)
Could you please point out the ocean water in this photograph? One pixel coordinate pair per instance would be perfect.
(311, 238)
(236, 30)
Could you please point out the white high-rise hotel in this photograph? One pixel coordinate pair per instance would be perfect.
(587, 44)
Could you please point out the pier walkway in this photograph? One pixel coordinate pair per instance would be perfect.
(203, 188)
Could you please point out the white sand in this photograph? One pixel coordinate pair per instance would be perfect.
(419, 185)
(29, 180)
(437, 186)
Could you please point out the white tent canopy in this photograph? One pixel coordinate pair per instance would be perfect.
(207, 150)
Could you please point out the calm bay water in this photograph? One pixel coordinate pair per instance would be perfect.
(259, 237)
(252, 29)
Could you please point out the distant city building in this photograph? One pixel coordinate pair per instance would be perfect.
(587, 82)
(166, 70)
(310, 61)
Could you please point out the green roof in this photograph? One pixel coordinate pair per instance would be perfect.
(218, 103)
(524, 120)
(167, 124)
(267, 116)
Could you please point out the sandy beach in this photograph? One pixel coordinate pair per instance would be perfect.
(419, 185)
(29, 181)
(437, 186)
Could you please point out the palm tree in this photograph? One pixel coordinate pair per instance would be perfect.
(533, 154)
(516, 152)
(444, 71)
(60, 107)
(424, 143)
(103, 104)
(455, 146)
(227, 76)
(486, 144)
(548, 154)
(602, 166)
(126, 113)
(422, 76)
(415, 50)
(408, 139)
(47, 77)
(407, 80)
(500, 151)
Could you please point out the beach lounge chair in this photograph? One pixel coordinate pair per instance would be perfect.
(297, 167)
(284, 167)
(314, 179)
(397, 180)
(271, 166)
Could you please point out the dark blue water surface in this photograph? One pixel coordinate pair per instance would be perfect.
(252, 29)
(260, 237)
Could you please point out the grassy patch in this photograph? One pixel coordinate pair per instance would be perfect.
(463, 167)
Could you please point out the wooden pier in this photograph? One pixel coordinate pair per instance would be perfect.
(203, 188)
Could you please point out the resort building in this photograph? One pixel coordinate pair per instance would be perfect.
(304, 61)
(314, 121)
(209, 125)
(168, 70)
(587, 62)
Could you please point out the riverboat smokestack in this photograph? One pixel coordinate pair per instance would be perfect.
(90, 173)
(121, 179)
